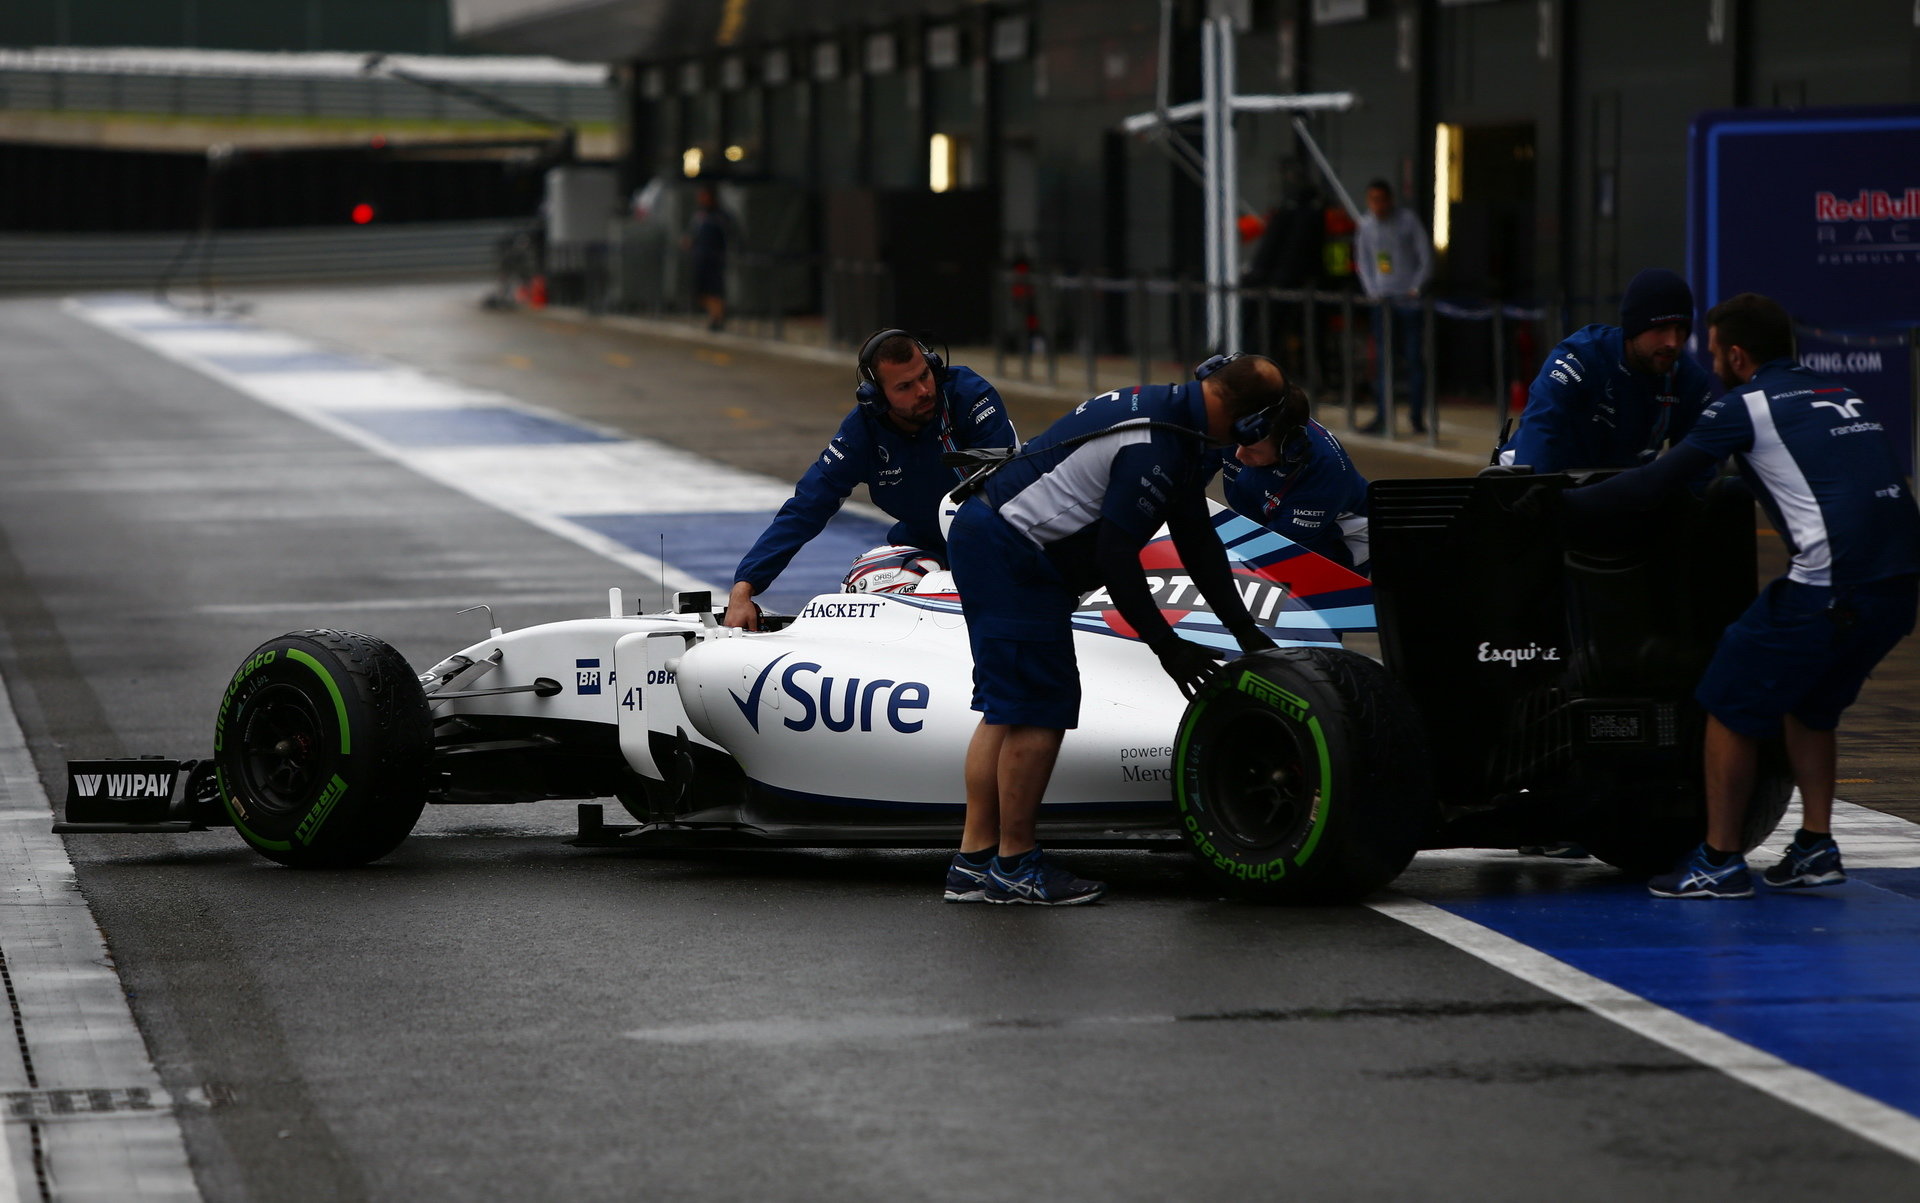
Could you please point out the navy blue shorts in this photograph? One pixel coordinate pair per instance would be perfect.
(1019, 621)
(1804, 650)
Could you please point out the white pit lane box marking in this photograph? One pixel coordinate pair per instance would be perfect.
(1871, 839)
(116, 1135)
(545, 485)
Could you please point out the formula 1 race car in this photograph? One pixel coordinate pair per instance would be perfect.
(1528, 691)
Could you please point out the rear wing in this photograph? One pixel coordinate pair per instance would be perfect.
(1522, 649)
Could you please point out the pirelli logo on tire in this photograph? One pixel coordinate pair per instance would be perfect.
(1267, 693)
(310, 826)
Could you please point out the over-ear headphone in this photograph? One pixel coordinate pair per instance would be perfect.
(1261, 424)
(867, 390)
(1214, 363)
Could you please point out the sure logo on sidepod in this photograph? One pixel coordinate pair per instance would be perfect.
(857, 701)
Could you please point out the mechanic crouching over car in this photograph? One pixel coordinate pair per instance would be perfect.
(910, 409)
(1069, 514)
(1299, 482)
(1826, 474)
(1612, 396)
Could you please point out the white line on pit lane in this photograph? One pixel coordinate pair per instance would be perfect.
(1888, 1127)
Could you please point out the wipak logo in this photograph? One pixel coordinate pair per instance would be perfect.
(124, 785)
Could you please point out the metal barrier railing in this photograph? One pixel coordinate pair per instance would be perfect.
(1314, 332)
(1044, 324)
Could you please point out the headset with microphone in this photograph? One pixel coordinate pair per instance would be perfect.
(1262, 424)
(867, 391)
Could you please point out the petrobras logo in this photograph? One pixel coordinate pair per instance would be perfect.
(836, 703)
(1867, 205)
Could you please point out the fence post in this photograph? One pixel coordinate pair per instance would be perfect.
(1383, 333)
(1052, 325)
(1089, 305)
(1499, 372)
(997, 323)
(1310, 331)
(1142, 351)
(1430, 377)
(1031, 308)
(1346, 355)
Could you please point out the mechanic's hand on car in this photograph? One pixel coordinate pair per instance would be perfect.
(1188, 664)
(1253, 639)
(741, 609)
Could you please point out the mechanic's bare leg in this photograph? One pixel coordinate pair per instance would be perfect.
(1027, 754)
(1812, 754)
(982, 832)
(1730, 760)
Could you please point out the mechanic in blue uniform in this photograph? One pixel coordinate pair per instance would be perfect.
(1607, 394)
(1299, 482)
(1069, 514)
(911, 410)
(1826, 473)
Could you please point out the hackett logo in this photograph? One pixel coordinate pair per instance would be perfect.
(1877, 205)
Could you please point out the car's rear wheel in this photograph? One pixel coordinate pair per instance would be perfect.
(322, 749)
(1301, 775)
(1641, 838)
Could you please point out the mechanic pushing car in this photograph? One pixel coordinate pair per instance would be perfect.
(1797, 658)
(911, 409)
(1300, 483)
(1608, 396)
(1066, 515)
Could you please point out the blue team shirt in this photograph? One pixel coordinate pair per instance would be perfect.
(1056, 495)
(903, 474)
(1588, 409)
(1825, 471)
(1303, 501)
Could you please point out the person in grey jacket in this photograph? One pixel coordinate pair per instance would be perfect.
(1394, 258)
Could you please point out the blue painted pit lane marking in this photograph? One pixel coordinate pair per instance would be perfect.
(709, 546)
(468, 426)
(1824, 979)
(249, 363)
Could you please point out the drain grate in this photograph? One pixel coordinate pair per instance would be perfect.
(65, 1102)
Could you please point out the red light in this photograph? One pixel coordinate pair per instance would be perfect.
(362, 213)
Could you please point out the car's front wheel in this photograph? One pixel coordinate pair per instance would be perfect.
(323, 749)
(1301, 775)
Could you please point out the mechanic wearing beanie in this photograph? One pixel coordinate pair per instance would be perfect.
(1067, 515)
(1611, 396)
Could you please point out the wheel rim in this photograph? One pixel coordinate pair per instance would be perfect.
(1262, 783)
(282, 749)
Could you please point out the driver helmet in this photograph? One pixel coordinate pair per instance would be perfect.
(895, 568)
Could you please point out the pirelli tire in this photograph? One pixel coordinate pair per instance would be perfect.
(1301, 776)
(323, 749)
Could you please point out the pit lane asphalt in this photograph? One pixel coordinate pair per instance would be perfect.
(490, 1014)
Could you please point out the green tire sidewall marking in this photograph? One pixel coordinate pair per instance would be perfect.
(346, 748)
(339, 703)
(1180, 754)
(1321, 751)
(1326, 790)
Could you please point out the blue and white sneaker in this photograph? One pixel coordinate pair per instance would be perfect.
(1802, 867)
(1037, 880)
(964, 882)
(1696, 877)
